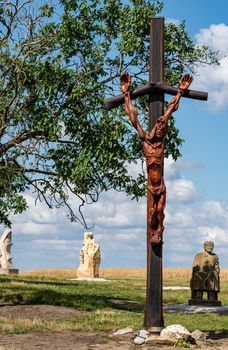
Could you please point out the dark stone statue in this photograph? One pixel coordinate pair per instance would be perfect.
(205, 277)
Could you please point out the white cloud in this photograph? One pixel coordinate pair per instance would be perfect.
(126, 236)
(216, 234)
(179, 189)
(216, 209)
(170, 169)
(58, 244)
(215, 37)
(44, 238)
(214, 79)
(179, 218)
(34, 228)
(188, 227)
(37, 212)
(182, 190)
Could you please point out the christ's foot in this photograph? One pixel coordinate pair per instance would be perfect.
(155, 237)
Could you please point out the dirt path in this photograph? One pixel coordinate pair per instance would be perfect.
(75, 340)
(85, 341)
(43, 312)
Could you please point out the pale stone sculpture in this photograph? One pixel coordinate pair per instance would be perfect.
(205, 277)
(90, 257)
(6, 266)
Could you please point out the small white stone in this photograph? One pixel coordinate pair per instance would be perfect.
(141, 337)
(124, 331)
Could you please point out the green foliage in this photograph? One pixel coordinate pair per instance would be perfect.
(183, 343)
(11, 182)
(55, 71)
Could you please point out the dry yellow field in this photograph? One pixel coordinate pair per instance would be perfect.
(168, 273)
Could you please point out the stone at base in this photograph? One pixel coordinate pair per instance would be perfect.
(9, 271)
(205, 302)
(154, 340)
(177, 332)
(141, 337)
(199, 336)
(123, 331)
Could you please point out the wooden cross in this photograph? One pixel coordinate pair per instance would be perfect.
(156, 88)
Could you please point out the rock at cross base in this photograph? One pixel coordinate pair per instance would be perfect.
(90, 258)
(123, 331)
(6, 266)
(177, 332)
(141, 337)
(199, 336)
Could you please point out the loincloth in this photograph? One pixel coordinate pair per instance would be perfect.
(151, 160)
(158, 190)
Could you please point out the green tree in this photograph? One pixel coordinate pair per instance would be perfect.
(57, 64)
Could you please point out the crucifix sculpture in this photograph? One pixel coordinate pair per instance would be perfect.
(153, 151)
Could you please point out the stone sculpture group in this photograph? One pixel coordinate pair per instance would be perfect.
(90, 256)
(205, 270)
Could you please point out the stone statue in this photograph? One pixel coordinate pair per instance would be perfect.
(6, 266)
(90, 257)
(205, 277)
(153, 147)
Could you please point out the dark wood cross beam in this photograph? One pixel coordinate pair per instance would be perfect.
(156, 88)
(153, 88)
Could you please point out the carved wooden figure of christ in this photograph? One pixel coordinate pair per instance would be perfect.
(153, 148)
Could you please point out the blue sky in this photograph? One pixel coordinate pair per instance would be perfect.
(197, 14)
(197, 186)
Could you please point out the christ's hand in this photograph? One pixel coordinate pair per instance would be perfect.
(125, 82)
(185, 82)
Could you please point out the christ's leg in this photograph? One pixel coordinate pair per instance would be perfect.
(152, 218)
(152, 210)
(160, 213)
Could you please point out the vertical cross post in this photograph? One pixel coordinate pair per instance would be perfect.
(156, 88)
(153, 320)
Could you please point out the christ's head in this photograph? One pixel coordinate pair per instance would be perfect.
(161, 127)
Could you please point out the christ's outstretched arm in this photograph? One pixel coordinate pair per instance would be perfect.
(184, 84)
(130, 109)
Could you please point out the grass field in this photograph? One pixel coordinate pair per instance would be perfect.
(109, 305)
(178, 274)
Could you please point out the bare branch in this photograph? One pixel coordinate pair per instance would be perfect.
(21, 137)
